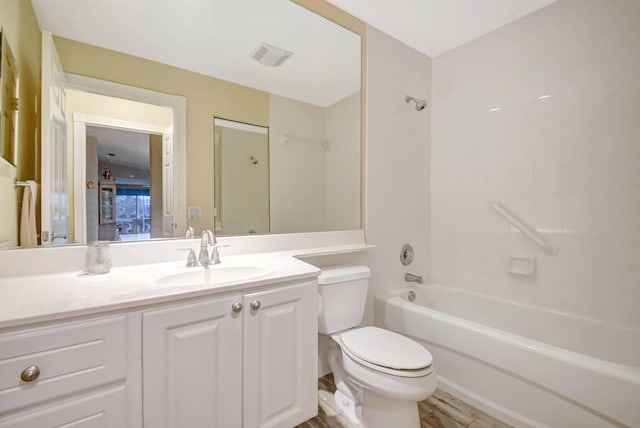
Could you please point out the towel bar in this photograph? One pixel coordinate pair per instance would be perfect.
(17, 184)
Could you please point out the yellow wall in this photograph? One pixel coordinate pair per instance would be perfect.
(19, 24)
(206, 97)
(155, 161)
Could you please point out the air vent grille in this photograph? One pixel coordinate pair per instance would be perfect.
(269, 55)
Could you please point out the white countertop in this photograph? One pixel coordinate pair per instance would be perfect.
(30, 299)
(38, 298)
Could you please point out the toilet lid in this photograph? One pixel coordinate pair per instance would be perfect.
(386, 348)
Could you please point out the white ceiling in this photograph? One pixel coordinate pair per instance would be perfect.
(216, 37)
(129, 148)
(437, 26)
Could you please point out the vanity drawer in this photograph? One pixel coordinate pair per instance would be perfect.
(70, 358)
(102, 410)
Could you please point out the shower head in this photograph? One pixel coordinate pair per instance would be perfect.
(420, 104)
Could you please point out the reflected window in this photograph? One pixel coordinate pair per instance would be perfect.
(133, 216)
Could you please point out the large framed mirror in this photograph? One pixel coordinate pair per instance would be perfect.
(281, 67)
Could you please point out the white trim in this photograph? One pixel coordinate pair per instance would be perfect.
(79, 180)
(119, 124)
(118, 90)
(45, 135)
(240, 125)
(177, 103)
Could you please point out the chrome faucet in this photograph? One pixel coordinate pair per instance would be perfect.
(208, 238)
(409, 277)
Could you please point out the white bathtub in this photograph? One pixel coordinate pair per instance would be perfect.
(523, 364)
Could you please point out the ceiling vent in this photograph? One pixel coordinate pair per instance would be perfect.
(269, 55)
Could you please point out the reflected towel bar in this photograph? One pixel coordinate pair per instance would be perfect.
(285, 138)
(524, 227)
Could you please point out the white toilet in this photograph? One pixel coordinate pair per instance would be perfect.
(380, 375)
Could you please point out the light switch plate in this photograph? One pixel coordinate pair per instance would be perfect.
(194, 213)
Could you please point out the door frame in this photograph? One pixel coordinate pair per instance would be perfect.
(179, 106)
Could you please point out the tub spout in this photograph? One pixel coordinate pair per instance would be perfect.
(409, 277)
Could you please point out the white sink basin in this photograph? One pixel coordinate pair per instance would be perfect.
(217, 274)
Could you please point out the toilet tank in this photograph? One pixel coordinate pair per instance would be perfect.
(342, 296)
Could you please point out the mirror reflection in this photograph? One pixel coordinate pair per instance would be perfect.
(122, 142)
(129, 191)
(309, 165)
(241, 153)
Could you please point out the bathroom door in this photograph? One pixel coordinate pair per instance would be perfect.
(54, 172)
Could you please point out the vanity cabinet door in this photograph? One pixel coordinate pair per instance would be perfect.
(280, 356)
(192, 365)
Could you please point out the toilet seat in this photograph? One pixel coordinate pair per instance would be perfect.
(386, 352)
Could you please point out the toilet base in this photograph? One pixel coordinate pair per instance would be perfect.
(349, 409)
(378, 411)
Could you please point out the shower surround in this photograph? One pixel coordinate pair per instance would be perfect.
(543, 115)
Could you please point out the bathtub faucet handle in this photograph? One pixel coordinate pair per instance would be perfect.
(409, 277)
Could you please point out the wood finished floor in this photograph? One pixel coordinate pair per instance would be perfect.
(441, 410)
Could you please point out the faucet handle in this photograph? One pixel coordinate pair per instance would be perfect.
(203, 257)
(192, 261)
(215, 257)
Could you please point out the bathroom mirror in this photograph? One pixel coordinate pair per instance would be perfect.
(210, 55)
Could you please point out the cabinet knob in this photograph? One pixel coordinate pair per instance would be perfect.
(30, 374)
(255, 304)
(236, 307)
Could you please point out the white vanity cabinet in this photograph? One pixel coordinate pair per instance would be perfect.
(70, 374)
(245, 360)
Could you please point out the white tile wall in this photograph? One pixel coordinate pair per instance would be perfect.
(544, 115)
(397, 175)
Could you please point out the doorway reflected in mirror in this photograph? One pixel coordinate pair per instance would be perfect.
(123, 146)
